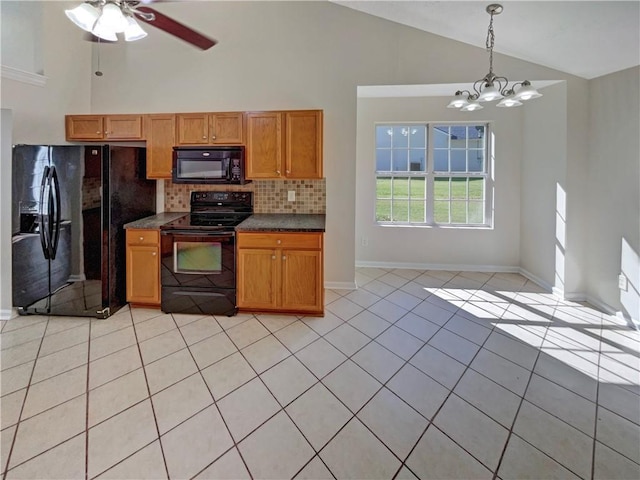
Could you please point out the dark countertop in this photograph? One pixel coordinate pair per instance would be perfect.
(283, 222)
(155, 221)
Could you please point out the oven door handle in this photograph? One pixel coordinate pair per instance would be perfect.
(198, 233)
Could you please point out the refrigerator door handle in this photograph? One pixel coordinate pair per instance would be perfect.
(44, 217)
(55, 193)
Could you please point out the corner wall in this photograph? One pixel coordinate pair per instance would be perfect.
(5, 205)
(543, 187)
(495, 249)
(613, 231)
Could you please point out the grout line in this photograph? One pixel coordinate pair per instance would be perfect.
(153, 411)
(215, 403)
(24, 401)
(597, 409)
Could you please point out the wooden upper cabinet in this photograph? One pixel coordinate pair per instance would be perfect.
(264, 145)
(303, 144)
(104, 127)
(210, 128)
(285, 144)
(123, 127)
(84, 127)
(160, 130)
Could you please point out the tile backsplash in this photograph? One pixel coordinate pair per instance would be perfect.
(269, 196)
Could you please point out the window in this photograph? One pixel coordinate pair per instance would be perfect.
(434, 174)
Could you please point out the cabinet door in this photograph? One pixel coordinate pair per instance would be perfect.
(123, 127)
(160, 130)
(84, 127)
(264, 145)
(226, 128)
(302, 288)
(257, 278)
(303, 151)
(193, 128)
(143, 277)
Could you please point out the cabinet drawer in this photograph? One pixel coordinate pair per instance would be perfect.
(280, 240)
(138, 237)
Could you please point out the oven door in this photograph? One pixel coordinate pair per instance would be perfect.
(198, 259)
(198, 273)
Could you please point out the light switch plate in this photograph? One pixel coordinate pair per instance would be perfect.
(291, 195)
(622, 282)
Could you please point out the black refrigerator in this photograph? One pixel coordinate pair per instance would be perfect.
(68, 210)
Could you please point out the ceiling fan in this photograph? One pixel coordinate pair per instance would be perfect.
(104, 18)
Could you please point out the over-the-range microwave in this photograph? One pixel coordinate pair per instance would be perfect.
(211, 164)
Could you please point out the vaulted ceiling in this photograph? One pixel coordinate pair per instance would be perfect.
(584, 38)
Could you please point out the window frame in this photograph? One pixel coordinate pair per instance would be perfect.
(430, 176)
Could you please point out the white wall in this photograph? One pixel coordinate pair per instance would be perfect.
(5, 205)
(284, 55)
(21, 45)
(289, 55)
(495, 248)
(614, 190)
(544, 170)
(38, 111)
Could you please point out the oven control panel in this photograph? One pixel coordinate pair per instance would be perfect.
(221, 198)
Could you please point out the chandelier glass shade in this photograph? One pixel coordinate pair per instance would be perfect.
(105, 18)
(492, 87)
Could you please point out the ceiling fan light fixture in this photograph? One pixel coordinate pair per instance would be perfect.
(84, 16)
(492, 87)
(133, 31)
(112, 18)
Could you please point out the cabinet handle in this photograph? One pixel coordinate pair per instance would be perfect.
(141, 238)
(153, 254)
(278, 172)
(273, 257)
(284, 257)
(213, 137)
(288, 171)
(98, 132)
(278, 242)
(204, 137)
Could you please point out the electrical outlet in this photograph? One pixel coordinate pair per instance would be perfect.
(291, 195)
(364, 241)
(622, 282)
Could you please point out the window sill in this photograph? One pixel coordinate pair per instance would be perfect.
(439, 227)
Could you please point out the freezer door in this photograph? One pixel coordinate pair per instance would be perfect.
(30, 266)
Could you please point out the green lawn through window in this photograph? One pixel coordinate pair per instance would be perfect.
(455, 200)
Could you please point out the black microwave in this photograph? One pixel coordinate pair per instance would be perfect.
(213, 164)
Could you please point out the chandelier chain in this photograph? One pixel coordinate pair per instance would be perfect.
(489, 43)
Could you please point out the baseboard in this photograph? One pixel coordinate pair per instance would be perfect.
(537, 280)
(441, 266)
(7, 313)
(340, 285)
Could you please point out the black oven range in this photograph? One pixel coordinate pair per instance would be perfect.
(198, 270)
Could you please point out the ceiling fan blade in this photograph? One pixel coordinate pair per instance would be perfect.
(176, 29)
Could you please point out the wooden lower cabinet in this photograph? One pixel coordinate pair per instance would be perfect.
(281, 272)
(143, 267)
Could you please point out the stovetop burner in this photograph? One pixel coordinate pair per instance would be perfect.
(215, 211)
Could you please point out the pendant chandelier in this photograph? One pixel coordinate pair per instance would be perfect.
(106, 18)
(492, 87)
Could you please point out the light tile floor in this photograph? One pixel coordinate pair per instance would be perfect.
(417, 374)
